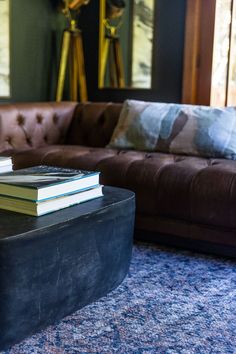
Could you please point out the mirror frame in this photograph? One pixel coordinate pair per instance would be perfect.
(8, 95)
(169, 30)
(102, 13)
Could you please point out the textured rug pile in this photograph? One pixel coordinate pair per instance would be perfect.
(170, 302)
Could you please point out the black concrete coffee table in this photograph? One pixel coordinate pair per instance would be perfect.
(53, 265)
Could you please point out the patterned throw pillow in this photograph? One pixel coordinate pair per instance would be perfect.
(200, 131)
(176, 128)
(138, 126)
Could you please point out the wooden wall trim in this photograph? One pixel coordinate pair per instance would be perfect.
(198, 51)
(191, 51)
(207, 29)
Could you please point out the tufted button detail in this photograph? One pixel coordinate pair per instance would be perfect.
(39, 118)
(148, 156)
(28, 140)
(20, 119)
(55, 118)
(45, 138)
(8, 139)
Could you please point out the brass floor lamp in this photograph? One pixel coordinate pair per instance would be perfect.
(72, 57)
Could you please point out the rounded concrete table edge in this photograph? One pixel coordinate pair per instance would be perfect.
(57, 263)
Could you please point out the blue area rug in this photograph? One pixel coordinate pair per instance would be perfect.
(170, 302)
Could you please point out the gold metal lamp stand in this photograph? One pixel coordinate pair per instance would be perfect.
(72, 52)
(112, 51)
(110, 55)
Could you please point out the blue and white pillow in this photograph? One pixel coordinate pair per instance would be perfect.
(176, 128)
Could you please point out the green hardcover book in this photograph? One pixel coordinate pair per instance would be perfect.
(42, 182)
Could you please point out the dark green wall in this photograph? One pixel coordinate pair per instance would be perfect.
(36, 29)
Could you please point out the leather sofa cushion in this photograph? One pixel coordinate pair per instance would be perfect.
(27, 126)
(197, 190)
(93, 124)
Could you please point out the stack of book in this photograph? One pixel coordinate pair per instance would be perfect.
(5, 164)
(43, 189)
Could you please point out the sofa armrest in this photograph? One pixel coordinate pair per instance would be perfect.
(93, 124)
(32, 125)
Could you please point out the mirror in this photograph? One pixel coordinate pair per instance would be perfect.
(4, 49)
(126, 43)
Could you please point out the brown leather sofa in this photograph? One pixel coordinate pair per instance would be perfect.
(181, 200)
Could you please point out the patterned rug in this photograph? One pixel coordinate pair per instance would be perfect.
(171, 302)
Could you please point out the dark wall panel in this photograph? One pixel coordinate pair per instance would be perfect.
(167, 61)
(36, 30)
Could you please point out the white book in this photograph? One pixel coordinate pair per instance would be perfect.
(5, 160)
(37, 208)
(7, 168)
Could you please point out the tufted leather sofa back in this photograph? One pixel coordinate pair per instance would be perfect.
(93, 124)
(33, 125)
